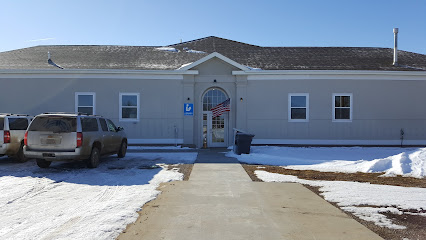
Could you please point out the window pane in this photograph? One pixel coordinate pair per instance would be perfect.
(1, 123)
(345, 101)
(111, 126)
(129, 113)
(212, 98)
(103, 124)
(89, 124)
(298, 113)
(54, 124)
(88, 110)
(18, 123)
(85, 100)
(342, 113)
(129, 100)
(337, 101)
(298, 101)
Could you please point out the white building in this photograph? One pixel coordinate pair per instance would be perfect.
(283, 95)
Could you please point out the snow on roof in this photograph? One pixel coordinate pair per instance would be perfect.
(169, 49)
(184, 65)
(188, 50)
(254, 69)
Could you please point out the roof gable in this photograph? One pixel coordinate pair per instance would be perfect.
(213, 44)
(215, 55)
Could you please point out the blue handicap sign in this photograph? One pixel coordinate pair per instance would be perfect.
(188, 109)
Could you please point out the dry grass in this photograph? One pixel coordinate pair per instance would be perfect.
(373, 178)
(416, 225)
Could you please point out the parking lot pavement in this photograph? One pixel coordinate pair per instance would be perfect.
(221, 202)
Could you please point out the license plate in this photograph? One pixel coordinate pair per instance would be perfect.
(48, 155)
(50, 141)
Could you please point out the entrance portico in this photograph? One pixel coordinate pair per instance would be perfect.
(213, 83)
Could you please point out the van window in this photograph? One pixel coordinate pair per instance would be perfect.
(1, 123)
(18, 123)
(89, 124)
(54, 124)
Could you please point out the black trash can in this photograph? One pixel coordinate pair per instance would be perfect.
(242, 143)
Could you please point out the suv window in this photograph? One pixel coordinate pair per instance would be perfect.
(18, 123)
(111, 126)
(103, 124)
(1, 123)
(54, 124)
(89, 124)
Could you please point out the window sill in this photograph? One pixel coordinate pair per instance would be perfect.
(342, 120)
(299, 120)
(128, 120)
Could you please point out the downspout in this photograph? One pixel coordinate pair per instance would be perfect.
(395, 48)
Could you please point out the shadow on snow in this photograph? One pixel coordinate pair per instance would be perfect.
(112, 171)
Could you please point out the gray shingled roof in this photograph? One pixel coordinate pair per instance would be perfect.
(267, 58)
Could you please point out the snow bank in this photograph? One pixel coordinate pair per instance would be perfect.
(351, 196)
(391, 161)
(69, 201)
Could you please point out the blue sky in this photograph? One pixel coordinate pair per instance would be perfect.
(361, 23)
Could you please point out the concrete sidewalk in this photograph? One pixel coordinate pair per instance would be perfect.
(221, 202)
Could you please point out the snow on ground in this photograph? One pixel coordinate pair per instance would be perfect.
(390, 161)
(70, 201)
(351, 196)
(365, 200)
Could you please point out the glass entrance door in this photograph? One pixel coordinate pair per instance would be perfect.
(214, 129)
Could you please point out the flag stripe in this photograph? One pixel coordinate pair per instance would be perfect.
(221, 108)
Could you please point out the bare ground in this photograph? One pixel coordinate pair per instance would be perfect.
(416, 225)
(185, 169)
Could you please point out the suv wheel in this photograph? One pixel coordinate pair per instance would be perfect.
(43, 163)
(20, 157)
(123, 149)
(93, 160)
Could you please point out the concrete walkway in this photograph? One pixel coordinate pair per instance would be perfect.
(221, 202)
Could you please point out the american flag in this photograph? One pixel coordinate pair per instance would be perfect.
(221, 108)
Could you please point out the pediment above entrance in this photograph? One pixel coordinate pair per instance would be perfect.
(215, 64)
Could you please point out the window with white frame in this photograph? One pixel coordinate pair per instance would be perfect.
(342, 107)
(129, 107)
(85, 102)
(298, 107)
